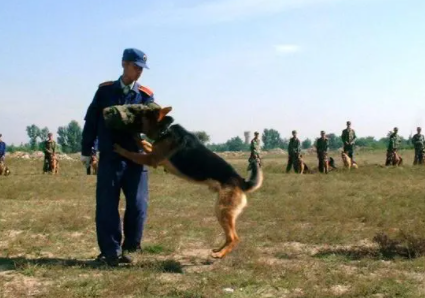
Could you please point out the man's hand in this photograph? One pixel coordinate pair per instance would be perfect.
(85, 160)
(146, 146)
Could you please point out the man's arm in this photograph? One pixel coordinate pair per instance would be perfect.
(90, 126)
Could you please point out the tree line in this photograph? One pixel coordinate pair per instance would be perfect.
(271, 139)
(69, 140)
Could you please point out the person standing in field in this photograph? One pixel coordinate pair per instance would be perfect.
(116, 173)
(255, 149)
(348, 138)
(393, 146)
(294, 150)
(49, 148)
(2, 150)
(418, 142)
(322, 147)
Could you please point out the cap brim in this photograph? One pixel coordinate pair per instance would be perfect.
(142, 65)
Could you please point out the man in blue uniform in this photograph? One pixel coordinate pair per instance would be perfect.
(2, 149)
(115, 172)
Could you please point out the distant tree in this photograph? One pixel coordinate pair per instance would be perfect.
(33, 132)
(236, 144)
(271, 139)
(43, 133)
(335, 141)
(69, 137)
(202, 136)
(306, 144)
(283, 143)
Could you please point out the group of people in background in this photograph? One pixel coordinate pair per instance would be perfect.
(348, 138)
(50, 161)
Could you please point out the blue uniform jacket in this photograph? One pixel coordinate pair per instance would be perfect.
(110, 94)
(2, 149)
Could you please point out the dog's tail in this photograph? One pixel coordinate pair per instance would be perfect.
(255, 180)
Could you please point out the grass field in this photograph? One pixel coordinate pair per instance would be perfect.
(302, 236)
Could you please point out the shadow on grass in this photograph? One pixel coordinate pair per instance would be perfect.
(402, 246)
(20, 263)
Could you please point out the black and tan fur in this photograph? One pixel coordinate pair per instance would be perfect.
(348, 163)
(300, 166)
(394, 159)
(182, 154)
(4, 170)
(94, 163)
(54, 164)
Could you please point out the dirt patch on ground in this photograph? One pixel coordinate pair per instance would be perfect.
(17, 285)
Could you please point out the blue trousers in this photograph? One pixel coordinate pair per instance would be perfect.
(113, 175)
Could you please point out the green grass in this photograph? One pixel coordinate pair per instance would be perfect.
(302, 236)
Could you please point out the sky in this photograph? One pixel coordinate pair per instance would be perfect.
(225, 66)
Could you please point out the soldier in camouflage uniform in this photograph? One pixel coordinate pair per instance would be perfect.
(49, 152)
(322, 147)
(348, 137)
(294, 150)
(418, 142)
(393, 146)
(255, 150)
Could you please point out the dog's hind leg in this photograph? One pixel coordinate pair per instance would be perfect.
(230, 204)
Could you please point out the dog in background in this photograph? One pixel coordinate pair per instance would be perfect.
(348, 162)
(4, 170)
(54, 164)
(394, 159)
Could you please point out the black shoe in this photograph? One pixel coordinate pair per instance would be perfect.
(125, 259)
(111, 261)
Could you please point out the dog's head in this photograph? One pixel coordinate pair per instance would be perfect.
(156, 122)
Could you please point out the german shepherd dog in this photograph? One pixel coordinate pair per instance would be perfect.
(348, 163)
(94, 164)
(54, 164)
(394, 159)
(300, 166)
(4, 170)
(182, 154)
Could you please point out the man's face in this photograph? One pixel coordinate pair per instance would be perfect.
(132, 71)
(348, 125)
(294, 134)
(50, 137)
(256, 135)
(418, 130)
(322, 135)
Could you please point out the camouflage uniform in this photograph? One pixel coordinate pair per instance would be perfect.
(255, 152)
(418, 141)
(294, 150)
(348, 137)
(392, 147)
(49, 152)
(322, 147)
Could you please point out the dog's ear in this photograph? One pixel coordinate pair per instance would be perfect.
(163, 112)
